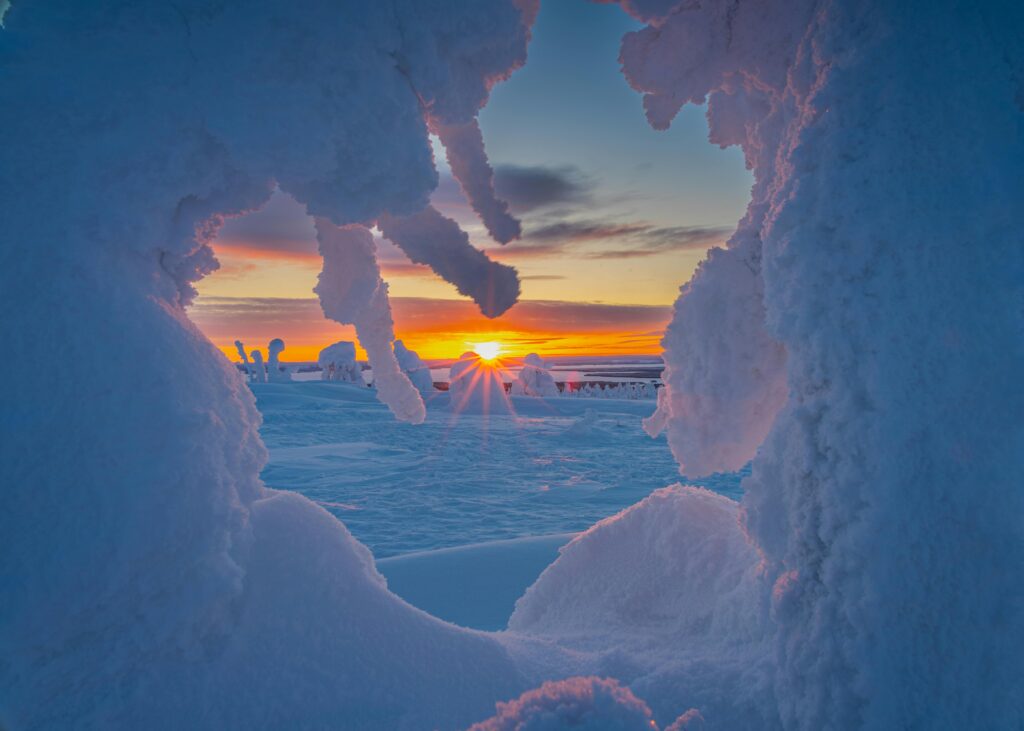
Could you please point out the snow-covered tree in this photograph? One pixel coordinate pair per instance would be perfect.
(414, 368)
(535, 379)
(338, 363)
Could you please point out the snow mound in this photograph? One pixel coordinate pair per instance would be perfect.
(664, 596)
(588, 704)
(535, 379)
(338, 363)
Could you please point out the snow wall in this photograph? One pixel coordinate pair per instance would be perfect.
(860, 338)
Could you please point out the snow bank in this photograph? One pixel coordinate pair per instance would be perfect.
(476, 387)
(664, 596)
(858, 339)
(338, 363)
(594, 704)
(414, 368)
(535, 379)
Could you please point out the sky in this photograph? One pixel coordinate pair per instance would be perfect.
(616, 216)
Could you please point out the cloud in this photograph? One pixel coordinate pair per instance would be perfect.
(529, 188)
(635, 239)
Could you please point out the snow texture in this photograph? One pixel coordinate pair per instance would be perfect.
(428, 237)
(352, 292)
(464, 146)
(149, 579)
(275, 371)
(414, 368)
(535, 379)
(589, 704)
(338, 363)
(664, 596)
(864, 328)
(259, 370)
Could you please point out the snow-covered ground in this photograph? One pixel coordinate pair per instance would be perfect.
(461, 480)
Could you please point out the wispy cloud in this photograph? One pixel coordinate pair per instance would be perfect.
(588, 239)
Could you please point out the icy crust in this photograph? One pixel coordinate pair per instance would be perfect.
(666, 597)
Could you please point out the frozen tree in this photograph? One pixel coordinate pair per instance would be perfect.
(338, 363)
(414, 368)
(860, 339)
(352, 292)
(259, 371)
(535, 379)
(243, 356)
(275, 371)
(174, 575)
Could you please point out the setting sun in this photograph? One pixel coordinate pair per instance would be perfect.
(487, 351)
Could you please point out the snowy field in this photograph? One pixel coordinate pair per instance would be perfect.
(463, 511)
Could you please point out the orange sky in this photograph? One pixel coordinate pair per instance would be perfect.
(438, 329)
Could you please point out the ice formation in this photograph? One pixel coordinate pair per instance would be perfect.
(535, 379)
(414, 368)
(338, 363)
(864, 328)
(477, 387)
(275, 371)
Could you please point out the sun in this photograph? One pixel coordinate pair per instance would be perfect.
(487, 351)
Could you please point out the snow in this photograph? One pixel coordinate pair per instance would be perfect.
(460, 479)
(535, 379)
(859, 341)
(476, 386)
(597, 704)
(414, 368)
(338, 363)
(275, 371)
(351, 291)
(859, 338)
